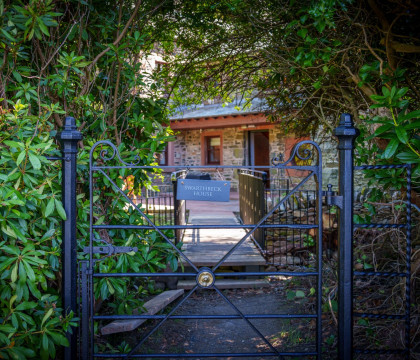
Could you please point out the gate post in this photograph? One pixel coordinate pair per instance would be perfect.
(69, 138)
(346, 134)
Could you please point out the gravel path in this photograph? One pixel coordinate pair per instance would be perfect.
(232, 335)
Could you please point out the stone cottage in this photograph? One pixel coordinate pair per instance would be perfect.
(216, 133)
(226, 134)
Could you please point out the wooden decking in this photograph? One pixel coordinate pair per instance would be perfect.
(206, 247)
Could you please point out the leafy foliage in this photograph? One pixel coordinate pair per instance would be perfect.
(401, 129)
(84, 59)
(33, 323)
(310, 60)
(401, 135)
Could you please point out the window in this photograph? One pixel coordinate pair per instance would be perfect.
(213, 150)
(211, 147)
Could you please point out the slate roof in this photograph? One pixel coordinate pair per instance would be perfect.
(213, 110)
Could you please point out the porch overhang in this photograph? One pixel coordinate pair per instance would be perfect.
(248, 120)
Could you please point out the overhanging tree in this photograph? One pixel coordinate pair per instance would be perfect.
(311, 61)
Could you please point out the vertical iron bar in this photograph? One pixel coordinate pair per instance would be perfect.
(286, 213)
(79, 307)
(319, 258)
(69, 138)
(162, 216)
(84, 341)
(408, 266)
(176, 209)
(179, 206)
(159, 205)
(241, 196)
(169, 209)
(147, 201)
(154, 209)
(254, 205)
(245, 198)
(293, 221)
(165, 201)
(300, 204)
(346, 134)
(248, 201)
(239, 192)
(253, 200)
(91, 296)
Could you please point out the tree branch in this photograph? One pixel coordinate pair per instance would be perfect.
(120, 36)
(404, 48)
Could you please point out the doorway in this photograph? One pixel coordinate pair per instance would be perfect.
(259, 150)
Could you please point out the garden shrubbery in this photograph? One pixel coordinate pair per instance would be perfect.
(32, 321)
(80, 59)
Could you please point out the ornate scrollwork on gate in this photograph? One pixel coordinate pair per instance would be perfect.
(301, 155)
(103, 153)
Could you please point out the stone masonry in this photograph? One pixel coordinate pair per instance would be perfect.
(187, 152)
(187, 149)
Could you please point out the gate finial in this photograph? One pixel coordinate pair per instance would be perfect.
(346, 132)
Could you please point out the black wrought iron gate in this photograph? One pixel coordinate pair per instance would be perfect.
(306, 158)
(104, 157)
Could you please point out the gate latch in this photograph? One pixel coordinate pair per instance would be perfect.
(110, 249)
(332, 199)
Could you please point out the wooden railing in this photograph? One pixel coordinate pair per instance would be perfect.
(252, 201)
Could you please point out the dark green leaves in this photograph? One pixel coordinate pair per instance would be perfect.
(382, 129)
(50, 207)
(391, 148)
(34, 161)
(401, 134)
(408, 157)
(60, 209)
(302, 32)
(30, 212)
(400, 128)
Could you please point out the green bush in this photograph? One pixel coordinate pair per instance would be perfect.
(32, 322)
(81, 59)
(398, 129)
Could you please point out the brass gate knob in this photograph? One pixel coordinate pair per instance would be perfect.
(205, 279)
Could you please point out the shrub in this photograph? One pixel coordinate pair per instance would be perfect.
(32, 322)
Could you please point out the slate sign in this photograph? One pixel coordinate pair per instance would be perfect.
(203, 190)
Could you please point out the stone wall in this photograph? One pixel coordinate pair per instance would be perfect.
(188, 143)
(277, 141)
(329, 161)
(187, 149)
(328, 145)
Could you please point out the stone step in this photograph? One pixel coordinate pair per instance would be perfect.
(152, 307)
(227, 284)
(208, 261)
